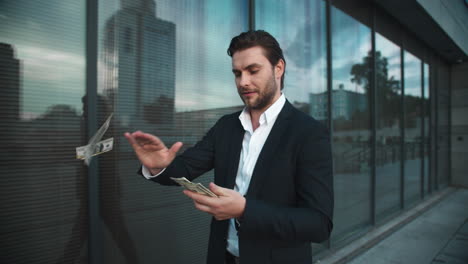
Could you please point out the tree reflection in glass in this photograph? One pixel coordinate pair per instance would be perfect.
(351, 44)
(388, 126)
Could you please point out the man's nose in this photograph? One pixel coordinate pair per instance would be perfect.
(244, 80)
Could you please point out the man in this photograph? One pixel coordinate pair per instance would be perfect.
(273, 167)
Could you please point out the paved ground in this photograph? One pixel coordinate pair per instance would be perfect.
(439, 235)
(456, 251)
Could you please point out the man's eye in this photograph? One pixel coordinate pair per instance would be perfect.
(253, 72)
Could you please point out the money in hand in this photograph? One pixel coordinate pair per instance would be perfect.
(194, 187)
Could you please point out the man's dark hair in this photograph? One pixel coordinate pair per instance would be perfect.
(262, 39)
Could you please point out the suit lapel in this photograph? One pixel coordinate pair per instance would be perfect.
(269, 148)
(235, 147)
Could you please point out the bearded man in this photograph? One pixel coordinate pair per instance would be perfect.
(272, 166)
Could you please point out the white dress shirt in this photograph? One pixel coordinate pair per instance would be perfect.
(252, 145)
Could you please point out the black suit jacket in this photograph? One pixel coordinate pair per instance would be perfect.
(290, 196)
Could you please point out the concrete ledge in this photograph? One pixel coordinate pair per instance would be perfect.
(374, 236)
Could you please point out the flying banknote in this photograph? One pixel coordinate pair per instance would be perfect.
(95, 145)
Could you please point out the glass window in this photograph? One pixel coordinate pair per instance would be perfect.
(300, 28)
(351, 47)
(163, 69)
(388, 126)
(413, 126)
(42, 80)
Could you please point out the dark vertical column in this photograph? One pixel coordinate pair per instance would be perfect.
(10, 85)
(423, 136)
(436, 130)
(329, 69)
(251, 14)
(329, 80)
(449, 110)
(430, 127)
(94, 235)
(433, 123)
(402, 130)
(373, 122)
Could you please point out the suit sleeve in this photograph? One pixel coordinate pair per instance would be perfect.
(193, 162)
(311, 218)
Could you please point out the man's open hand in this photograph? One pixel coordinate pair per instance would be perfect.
(151, 151)
(229, 204)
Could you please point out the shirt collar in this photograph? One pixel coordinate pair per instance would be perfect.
(267, 117)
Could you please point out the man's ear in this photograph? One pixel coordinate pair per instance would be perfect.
(279, 69)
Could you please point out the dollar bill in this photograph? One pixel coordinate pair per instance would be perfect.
(100, 147)
(95, 146)
(194, 187)
(101, 131)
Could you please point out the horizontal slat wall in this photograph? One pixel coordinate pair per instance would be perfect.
(163, 69)
(42, 185)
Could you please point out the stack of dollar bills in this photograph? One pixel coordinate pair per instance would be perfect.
(194, 187)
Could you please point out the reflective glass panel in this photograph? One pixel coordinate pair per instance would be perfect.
(42, 81)
(351, 47)
(304, 49)
(163, 69)
(300, 28)
(413, 126)
(388, 126)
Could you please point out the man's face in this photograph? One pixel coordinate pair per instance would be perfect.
(257, 81)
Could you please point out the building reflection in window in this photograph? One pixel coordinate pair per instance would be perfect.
(351, 45)
(304, 50)
(163, 69)
(300, 28)
(413, 125)
(388, 126)
(42, 81)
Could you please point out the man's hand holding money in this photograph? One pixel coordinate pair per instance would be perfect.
(229, 204)
(155, 156)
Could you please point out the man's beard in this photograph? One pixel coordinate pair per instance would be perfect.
(265, 98)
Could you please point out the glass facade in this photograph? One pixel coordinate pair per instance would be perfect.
(412, 128)
(388, 126)
(305, 50)
(350, 112)
(42, 81)
(162, 68)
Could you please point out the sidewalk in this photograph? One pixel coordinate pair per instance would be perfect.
(438, 235)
